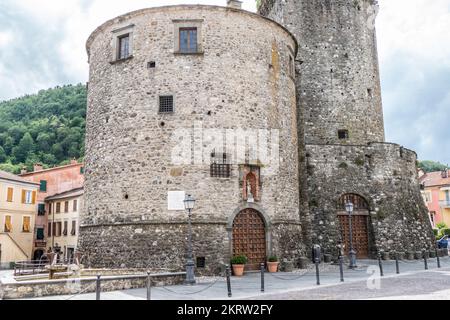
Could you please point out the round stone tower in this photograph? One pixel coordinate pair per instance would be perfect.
(346, 158)
(339, 82)
(175, 94)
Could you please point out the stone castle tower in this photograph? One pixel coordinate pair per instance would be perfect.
(204, 76)
(173, 88)
(341, 120)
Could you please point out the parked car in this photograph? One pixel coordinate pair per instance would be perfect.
(443, 242)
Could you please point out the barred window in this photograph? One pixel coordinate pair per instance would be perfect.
(165, 104)
(220, 166)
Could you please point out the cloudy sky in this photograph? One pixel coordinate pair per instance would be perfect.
(42, 45)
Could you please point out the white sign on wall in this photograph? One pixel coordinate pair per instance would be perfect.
(175, 200)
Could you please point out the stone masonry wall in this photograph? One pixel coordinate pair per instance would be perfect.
(241, 80)
(338, 77)
(385, 175)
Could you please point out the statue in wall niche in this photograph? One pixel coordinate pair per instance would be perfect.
(250, 197)
(250, 191)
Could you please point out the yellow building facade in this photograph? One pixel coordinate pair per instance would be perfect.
(63, 222)
(18, 210)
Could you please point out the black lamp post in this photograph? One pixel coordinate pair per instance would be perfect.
(352, 254)
(189, 203)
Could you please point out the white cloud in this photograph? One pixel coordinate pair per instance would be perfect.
(6, 37)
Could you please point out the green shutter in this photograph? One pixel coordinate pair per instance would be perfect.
(40, 234)
(43, 187)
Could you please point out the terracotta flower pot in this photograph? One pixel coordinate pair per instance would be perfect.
(273, 266)
(238, 270)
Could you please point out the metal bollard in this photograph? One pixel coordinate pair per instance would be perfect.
(438, 259)
(228, 273)
(97, 289)
(341, 267)
(397, 265)
(262, 277)
(425, 260)
(149, 286)
(317, 272)
(380, 264)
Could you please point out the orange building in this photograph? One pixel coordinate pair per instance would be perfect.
(52, 182)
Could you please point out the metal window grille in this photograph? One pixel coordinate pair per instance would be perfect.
(220, 167)
(166, 104)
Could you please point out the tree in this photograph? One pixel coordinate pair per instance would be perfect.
(55, 121)
(431, 166)
(25, 147)
(2, 155)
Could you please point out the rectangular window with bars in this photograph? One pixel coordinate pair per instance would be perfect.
(188, 40)
(220, 166)
(166, 104)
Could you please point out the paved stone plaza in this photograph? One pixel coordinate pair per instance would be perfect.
(414, 282)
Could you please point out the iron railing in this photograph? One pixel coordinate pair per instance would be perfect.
(22, 268)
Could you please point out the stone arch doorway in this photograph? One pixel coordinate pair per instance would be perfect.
(360, 224)
(249, 237)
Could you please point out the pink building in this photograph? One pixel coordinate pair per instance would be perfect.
(52, 182)
(436, 194)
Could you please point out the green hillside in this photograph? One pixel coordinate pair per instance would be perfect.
(47, 128)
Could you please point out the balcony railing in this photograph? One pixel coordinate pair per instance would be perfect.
(445, 203)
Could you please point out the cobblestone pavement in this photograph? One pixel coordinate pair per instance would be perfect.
(413, 283)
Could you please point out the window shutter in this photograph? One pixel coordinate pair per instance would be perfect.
(8, 224)
(10, 194)
(33, 201)
(24, 196)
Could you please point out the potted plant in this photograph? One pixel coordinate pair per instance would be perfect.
(238, 263)
(272, 264)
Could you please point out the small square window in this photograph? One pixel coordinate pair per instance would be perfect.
(151, 65)
(201, 262)
(165, 104)
(343, 134)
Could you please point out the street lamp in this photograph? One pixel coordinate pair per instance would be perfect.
(352, 254)
(189, 203)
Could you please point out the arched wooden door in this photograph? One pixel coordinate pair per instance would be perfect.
(360, 224)
(249, 238)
